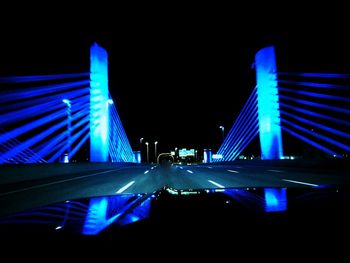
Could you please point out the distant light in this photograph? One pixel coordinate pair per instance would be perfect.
(58, 228)
(146, 172)
(217, 156)
(172, 153)
(65, 158)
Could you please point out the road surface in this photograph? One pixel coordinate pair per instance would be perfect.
(22, 195)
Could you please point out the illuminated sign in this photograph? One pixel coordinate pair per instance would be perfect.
(184, 152)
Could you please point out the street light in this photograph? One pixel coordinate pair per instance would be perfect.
(69, 120)
(155, 151)
(147, 152)
(141, 148)
(223, 132)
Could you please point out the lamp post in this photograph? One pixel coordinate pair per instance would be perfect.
(147, 152)
(69, 120)
(223, 132)
(155, 151)
(141, 139)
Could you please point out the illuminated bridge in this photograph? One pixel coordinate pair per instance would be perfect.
(312, 107)
(45, 119)
(51, 120)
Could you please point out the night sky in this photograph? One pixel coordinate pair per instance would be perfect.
(175, 79)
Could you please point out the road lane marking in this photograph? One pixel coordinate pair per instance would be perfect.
(233, 171)
(297, 182)
(216, 184)
(58, 182)
(189, 171)
(146, 172)
(181, 167)
(125, 187)
(209, 167)
(276, 171)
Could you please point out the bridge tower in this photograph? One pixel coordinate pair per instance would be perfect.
(268, 105)
(99, 117)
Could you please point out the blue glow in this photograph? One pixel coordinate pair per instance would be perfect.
(315, 94)
(268, 108)
(138, 156)
(315, 114)
(242, 132)
(318, 125)
(96, 219)
(120, 149)
(315, 85)
(242, 118)
(315, 75)
(17, 95)
(317, 135)
(104, 211)
(275, 199)
(311, 142)
(140, 212)
(205, 156)
(99, 120)
(21, 79)
(317, 105)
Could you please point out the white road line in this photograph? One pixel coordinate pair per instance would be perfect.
(125, 187)
(297, 182)
(233, 171)
(216, 184)
(209, 167)
(189, 171)
(146, 172)
(57, 182)
(276, 171)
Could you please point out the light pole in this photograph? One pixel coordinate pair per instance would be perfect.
(141, 139)
(69, 120)
(147, 152)
(223, 132)
(155, 151)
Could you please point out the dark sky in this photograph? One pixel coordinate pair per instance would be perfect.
(176, 78)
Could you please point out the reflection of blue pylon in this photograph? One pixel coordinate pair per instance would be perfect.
(268, 105)
(99, 119)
